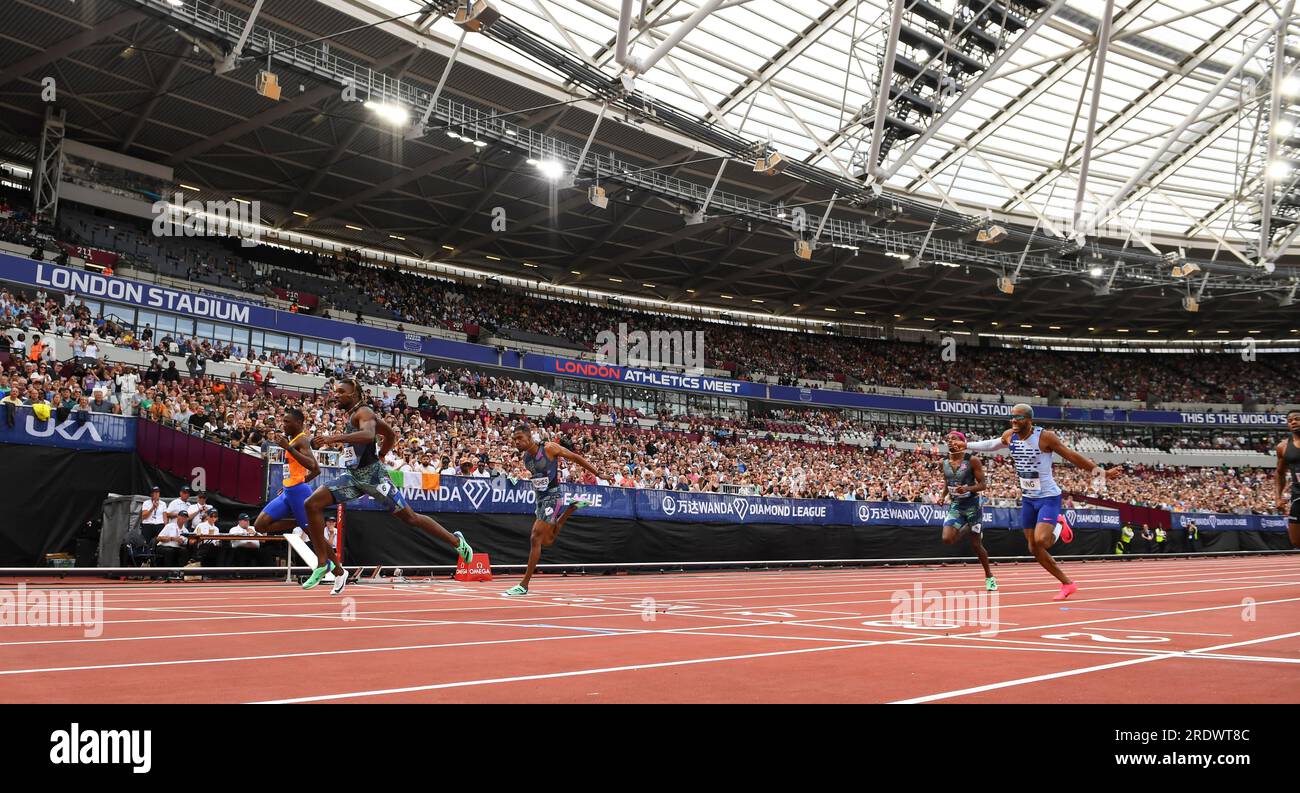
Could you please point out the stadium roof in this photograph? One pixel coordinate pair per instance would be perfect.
(132, 81)
(798, 72)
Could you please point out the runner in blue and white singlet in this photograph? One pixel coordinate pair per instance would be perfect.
(1040, 503)
(1040, 496)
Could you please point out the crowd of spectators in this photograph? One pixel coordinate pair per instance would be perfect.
(784, 356)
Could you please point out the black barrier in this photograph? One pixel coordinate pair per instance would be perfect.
(375, 538)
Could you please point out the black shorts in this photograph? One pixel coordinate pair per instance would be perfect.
(1295, 509)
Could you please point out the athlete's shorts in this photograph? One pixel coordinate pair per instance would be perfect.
(1039, 510)
(292, 501)
(548, 504)
(1295, 509)
(961, 515)
(371, 480)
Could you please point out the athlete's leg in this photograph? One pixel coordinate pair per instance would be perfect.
(265, 524)
(315, 506)
(1042, 537)
(1293, 531)
(977, 543)
(278, 512)
(554, 528)
(541, 530)
(427, 525)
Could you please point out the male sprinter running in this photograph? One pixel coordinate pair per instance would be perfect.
(542, 461)
(1288, 458)
(365, 475)
(1040, 496)
(287, 509)
(963, 473)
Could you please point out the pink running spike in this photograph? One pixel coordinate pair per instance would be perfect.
(1066, 591)
(1067, 534)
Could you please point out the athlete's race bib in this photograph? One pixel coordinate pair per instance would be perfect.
(1030, 485)
(541, 482)
(955, 493)
(348, 457)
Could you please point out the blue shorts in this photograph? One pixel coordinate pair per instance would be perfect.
(291, 501)
(1039, 510)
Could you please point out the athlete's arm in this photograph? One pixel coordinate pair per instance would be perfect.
(1281, 476)
(386, 432)
(556, 450)
(1052, 443)
(990, 445)
(301, 451)
(981, 483)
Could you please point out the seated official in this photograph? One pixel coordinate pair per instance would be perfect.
(173, 545)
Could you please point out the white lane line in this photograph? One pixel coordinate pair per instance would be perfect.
(772, 654)
(1085, 670)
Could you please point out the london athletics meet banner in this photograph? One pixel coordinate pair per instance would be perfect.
(125, 291)
(502, 496)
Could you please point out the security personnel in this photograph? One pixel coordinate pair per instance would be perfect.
(1126, 537)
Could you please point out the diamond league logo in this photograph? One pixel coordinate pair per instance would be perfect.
(741, 507)
(476, 490)
(669, 506)
(926, 511)
(1069, 516)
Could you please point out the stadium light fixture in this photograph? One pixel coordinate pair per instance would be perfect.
(1291, 86)
(1284, 128)
(302, 215)
(1279, 169)
(771, 165)
(474, 17)
(991, 234)
(389, 113)
(1095, 271)
(550, 169)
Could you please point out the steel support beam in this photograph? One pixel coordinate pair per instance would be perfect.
(1223, 38)
(882, 95)
(1274, 105)
(1012, 109)
(278, 111)
(970, 90)
(71, 44)
(1103, 44)
(1152, 161)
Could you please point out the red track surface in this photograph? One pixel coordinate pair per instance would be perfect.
(1150, 631)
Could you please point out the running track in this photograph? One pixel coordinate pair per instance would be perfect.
(1202, 630)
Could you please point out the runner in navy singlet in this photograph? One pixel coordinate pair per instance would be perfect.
(365, 475)
(542, 461)
(1288, 461)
